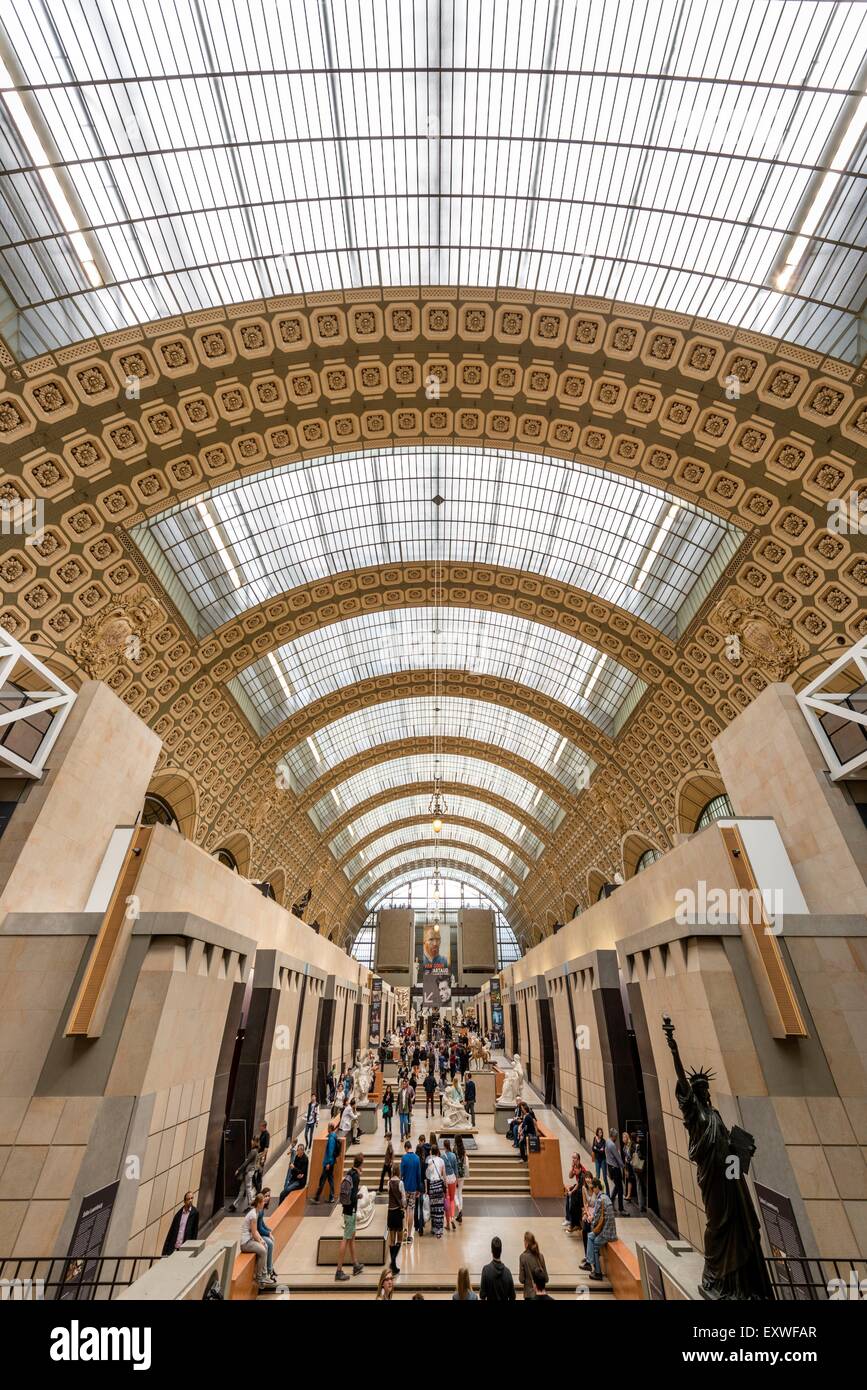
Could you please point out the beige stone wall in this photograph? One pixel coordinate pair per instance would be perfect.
(692, 982)
(96, 779)
(826, 1136)
(772, 766)
(168, 1051)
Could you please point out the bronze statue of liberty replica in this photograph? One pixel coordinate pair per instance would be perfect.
(734, 1267)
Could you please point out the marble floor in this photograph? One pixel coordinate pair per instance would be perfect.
(431, 1265)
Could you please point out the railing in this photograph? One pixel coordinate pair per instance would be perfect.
(27, 1277)
(800, 1277)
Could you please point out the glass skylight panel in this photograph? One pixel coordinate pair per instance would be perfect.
(447, 872)
(465, 772)
(305, 522)
(468, 808)
(229, 152)
(455, 857)
(459, 639)
(422, 834)
(480, 720)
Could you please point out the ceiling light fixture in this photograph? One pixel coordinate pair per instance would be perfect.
(214, 533)
(278, 671)
(50, 182)
(665, 527)
(594, 675)
(818, 205)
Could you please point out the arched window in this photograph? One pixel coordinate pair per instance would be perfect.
(649, 857)
(227, 858)
(156, 811)
(718, 808)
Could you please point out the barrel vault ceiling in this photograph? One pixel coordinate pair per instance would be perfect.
(375, 377)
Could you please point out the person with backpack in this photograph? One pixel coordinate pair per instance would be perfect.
(329, 1159)
(397, 1205)
(410, 1176)
(349, 1202)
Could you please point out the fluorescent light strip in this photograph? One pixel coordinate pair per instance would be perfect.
(594, 676)
(314, 750)
(824, 193)
(664, 528)
(278, 672)
(39, 155)
(559, 753)
(213, 531)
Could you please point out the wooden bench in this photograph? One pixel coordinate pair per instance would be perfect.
(283, 1224)
(546, 1173)
(620, 1267)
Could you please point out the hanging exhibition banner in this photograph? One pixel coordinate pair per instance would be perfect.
(496, 1005)
(436, 981)
(376, 1012)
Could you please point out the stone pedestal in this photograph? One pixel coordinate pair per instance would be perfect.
(367, 1117)
(502, 1115)
(485, 1091)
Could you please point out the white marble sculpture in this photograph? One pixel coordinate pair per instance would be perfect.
(366, 1208)
(362, 1078)
(513, 1086)
(455, 1116)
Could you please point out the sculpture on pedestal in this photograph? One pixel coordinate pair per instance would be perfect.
(455, 1116)
(366, 1208)
(513, 1086)
(480, 1055)
(734, 1267)
(363, 1078)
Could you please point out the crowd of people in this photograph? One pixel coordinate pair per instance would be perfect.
(423, 1182)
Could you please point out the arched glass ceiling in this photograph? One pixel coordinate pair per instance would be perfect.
(447, 871)
(456, 857)
(367, 728)
(620, 539)
(421, 834)
(466, 639)
(380, 817)
(455, 768)
(210, 154)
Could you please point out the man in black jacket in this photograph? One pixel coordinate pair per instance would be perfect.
(185, 1226)
(497, 1284)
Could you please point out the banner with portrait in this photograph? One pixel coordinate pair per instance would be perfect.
(435, 965)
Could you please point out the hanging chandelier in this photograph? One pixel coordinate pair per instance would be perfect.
(437, 807)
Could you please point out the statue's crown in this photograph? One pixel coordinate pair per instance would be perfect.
(699, 1074)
